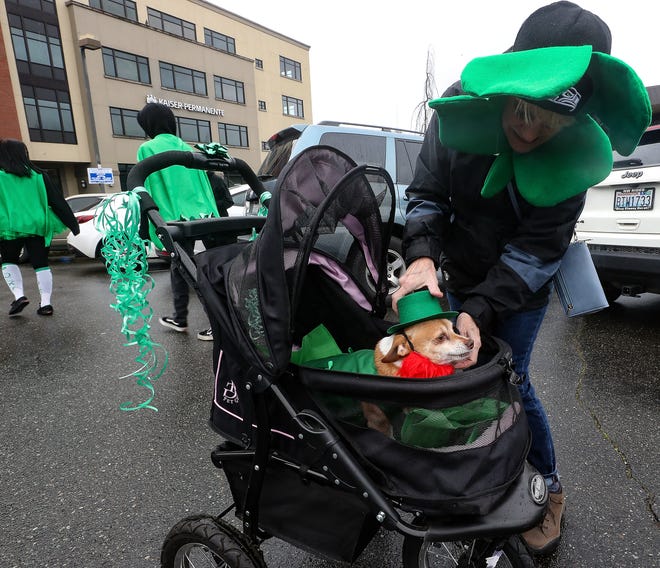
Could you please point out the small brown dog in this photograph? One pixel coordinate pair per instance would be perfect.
(433, 339)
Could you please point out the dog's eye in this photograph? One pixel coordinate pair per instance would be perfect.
(442, 337)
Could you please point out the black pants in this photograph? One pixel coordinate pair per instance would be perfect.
(180, 289)
(36, 248)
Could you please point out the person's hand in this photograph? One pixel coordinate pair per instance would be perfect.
(468, 328)
(421, 273)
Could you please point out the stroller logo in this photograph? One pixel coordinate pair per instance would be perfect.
(229, 394)
(255, 324)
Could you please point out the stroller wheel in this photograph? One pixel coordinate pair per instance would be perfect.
(466, 554)
(204, 542)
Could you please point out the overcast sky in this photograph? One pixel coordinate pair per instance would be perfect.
(368, 58)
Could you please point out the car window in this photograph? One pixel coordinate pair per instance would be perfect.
(239, 197)
(83, 202)
(406, 158)
(646, 154)
(363, 148)
(277, 158)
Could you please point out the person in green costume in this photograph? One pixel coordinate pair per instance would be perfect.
(32, 210)
(181, 194)
(500, 183)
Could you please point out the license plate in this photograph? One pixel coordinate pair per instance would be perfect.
(634, 199)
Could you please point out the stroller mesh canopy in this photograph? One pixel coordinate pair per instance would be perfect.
(326, 208)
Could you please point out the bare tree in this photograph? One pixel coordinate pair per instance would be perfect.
(422, 113)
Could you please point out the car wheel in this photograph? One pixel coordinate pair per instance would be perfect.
(396, 266)
(612, 292)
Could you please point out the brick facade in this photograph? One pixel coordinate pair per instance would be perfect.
(9, 126)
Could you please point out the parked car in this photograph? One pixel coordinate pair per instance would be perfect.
(90, 241)
(621, 222)
(393, 149)
(78, 203)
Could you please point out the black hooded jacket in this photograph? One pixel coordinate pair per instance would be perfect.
(155, 119)
(494, 262)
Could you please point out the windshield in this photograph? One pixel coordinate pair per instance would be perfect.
(646, 154)
(277, 158)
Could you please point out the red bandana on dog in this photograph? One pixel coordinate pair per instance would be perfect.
(416, 366)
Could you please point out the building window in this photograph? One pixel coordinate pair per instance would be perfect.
(124, 65)
(124, 170)
(233, 135)
(122, 8)
(182, 79)
(192, 130)
(292, 107)
(264, 146)
(171, 24)
(37, 48)
(219, 41)
(49, 115)
(262, 105)
(124, 123)
(47, 6)
(290, 69)
(229, 90)
(258, 63)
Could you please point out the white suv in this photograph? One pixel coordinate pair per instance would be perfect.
(621, 222)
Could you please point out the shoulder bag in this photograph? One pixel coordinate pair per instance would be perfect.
(576, 280)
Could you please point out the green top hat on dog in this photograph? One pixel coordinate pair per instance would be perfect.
(418, 307)
(554, 66)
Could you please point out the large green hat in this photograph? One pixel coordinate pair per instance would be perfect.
(418, 307)
(607, 98)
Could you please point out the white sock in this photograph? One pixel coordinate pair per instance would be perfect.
(14, 279)
(45, 282)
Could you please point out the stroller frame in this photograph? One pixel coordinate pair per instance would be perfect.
(336, 465)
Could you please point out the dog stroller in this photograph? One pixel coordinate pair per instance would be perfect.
(299, 460)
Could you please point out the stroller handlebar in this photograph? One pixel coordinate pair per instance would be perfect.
(192, 160)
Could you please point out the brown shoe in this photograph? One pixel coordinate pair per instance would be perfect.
(544, 538)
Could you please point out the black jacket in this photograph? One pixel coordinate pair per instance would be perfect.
(494, 262)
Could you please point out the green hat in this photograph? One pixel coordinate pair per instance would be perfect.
(607, 98)
(417, 307)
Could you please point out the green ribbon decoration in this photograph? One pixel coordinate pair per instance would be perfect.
(118, 218)
(213, 149)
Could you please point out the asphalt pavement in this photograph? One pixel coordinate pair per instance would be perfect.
(85, 484)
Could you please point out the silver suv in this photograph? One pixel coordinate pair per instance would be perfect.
(389, 148)
(621, 222)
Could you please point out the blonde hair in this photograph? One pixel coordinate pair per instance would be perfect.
(530, 114)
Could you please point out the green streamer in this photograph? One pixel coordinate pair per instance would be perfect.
(124, 251)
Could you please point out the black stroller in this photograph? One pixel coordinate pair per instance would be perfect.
(300, 462)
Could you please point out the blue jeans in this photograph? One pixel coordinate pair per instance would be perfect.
(520, 331)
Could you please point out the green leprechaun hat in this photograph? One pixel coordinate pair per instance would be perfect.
(607, 98)
(418, 307)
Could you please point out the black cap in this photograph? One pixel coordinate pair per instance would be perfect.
(563, 23)
(155, 119)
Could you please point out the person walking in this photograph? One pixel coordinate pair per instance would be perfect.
(181, 194)
(500, 182)
(32, 210)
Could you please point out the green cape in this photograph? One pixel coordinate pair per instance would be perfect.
(181, 194)
(24, 209)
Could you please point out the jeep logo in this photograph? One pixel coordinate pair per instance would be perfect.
(631, 175)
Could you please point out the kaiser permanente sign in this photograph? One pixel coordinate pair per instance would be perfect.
(186, 106)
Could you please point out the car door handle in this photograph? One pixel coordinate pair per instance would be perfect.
(628, 224)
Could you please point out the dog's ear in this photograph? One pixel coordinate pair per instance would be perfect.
(398, 349)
